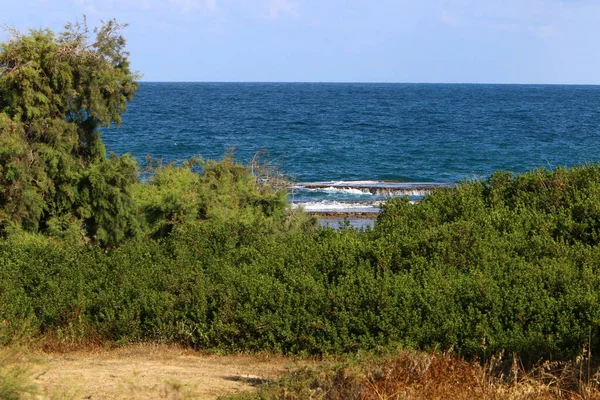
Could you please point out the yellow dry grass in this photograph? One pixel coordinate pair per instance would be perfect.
(425, 376)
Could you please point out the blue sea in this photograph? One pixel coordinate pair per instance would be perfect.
(349, 146)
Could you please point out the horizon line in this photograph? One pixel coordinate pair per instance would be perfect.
(378, 83)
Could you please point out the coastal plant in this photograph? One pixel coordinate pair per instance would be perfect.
(56, 91)
(473, 268)
(201, 190)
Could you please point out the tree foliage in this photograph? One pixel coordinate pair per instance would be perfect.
(55, 92)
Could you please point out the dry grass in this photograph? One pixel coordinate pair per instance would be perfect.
(434, 376)
(414, 375)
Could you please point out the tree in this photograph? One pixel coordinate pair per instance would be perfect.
(56, 91)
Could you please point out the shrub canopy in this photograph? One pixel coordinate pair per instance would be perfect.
(55, 92)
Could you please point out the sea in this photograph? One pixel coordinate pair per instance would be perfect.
(347, 147)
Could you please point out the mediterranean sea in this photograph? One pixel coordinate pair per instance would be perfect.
(349, 146)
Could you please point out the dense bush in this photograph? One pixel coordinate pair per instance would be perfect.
(504, 264)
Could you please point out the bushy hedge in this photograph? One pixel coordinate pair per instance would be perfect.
(504, 264)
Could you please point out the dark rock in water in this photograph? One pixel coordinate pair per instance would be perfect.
(338, 222)
(344, 215)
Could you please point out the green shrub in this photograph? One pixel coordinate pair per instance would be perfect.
(506, 264)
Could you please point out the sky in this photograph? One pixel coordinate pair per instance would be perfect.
(438, 41)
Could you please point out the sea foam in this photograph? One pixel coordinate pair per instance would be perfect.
(337, 206)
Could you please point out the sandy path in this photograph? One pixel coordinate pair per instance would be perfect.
(152, 372)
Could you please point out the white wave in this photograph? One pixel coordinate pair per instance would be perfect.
(335, 206)
(410, 193)
(341, 206)
(310, 185)
(362, 183)
(368, 191)
(332, 189)
(371, 184)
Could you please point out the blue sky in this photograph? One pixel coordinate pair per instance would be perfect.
(478, 41)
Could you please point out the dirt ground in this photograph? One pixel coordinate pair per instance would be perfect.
(152, 372)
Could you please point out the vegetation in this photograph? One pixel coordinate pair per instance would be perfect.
(508, 264)
(208, 253)
(55, 92)
(417, 375)
(15, 379)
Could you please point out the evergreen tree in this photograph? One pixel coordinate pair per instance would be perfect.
(56, 91)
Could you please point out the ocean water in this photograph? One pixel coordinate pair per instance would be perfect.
(350, 146)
